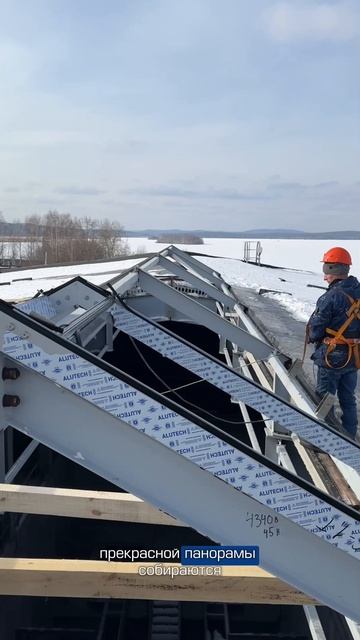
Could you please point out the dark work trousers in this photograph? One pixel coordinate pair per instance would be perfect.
(343, 382)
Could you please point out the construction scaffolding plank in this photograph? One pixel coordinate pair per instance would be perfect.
(98, 579)
(76, 503)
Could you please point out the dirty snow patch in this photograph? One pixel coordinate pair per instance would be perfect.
(299, 309)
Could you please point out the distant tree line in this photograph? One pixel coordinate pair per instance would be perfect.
(60, 237)
(179, 238)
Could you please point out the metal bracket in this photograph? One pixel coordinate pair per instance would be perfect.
(325, 406)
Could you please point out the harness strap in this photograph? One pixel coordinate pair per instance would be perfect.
(306, 341)
(338, 337)
(357, 356)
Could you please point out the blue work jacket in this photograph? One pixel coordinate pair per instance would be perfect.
(330, 313)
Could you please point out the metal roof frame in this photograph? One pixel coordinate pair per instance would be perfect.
(28, 342)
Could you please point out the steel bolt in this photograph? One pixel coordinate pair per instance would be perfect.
(10, 401)
(10, 373)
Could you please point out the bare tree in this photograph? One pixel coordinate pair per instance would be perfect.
(60, 237)
(111, 241)
(2, 243)
(33, 232)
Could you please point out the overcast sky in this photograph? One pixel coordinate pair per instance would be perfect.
(217, 114)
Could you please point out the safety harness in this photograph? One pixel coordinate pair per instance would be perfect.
(353, 344)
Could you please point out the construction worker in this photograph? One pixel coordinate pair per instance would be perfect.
(334, 327)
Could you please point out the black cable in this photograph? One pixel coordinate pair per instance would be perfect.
(191, 404)
(114, 292)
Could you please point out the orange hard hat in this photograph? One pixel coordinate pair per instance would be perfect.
(337, 254)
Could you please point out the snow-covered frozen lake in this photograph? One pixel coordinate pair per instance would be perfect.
(296, 254)
(301, 259)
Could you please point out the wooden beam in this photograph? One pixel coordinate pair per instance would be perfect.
(100, 505)
(98, 579)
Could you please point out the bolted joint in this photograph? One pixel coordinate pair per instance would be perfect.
(10, 373)
(10, 401)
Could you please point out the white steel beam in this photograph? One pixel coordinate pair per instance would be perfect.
(236, 385)
(20, 461)
(124, 283)
(174, 267)
(200, 315)
(354, 628)
(188, 260)
(198, 267)
(123, 455)
(314, 622)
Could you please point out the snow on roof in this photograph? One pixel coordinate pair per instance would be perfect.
(22, 288)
